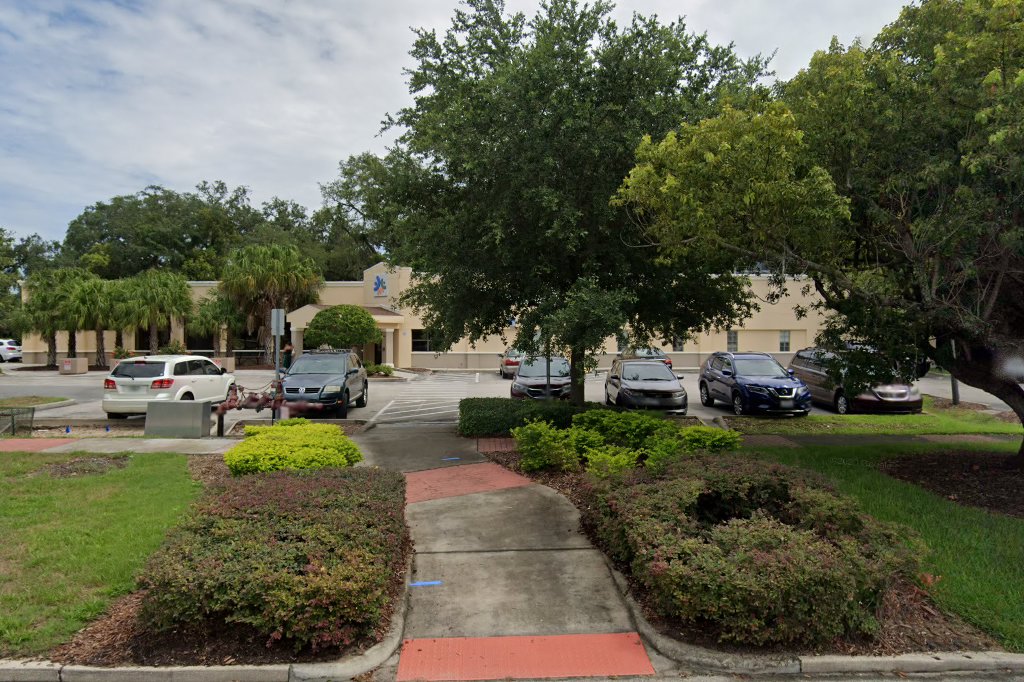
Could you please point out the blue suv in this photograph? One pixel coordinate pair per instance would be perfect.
(752, 382)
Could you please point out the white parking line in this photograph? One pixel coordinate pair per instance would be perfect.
(380, 412)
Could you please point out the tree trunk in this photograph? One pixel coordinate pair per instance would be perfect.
(154, 338)
(72, 344)
(51, 349)
(979, 374)
(101, 349)
(577, 377)
(229, 341)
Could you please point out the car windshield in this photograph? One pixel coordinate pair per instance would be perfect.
(759, 367)
(311, 363)
(647, 372)
(537, 367)
(647, 353)
(513, 353)
(138, 370)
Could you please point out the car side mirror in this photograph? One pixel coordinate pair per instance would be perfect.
(223, 370)
(614, 376)
(679, 376)
(726, 372)
(792, 372)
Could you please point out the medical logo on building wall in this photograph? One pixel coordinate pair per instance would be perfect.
(380, 287)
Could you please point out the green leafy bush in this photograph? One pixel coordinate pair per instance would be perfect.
(174, 347)
(384, 370)
(710, 439)
(753, 552)
(291, 446)
(608, 460)
(306, 558)
(498, 416)
(628, 429)
(542, 446)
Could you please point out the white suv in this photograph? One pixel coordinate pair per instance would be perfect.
(10, 350)
(135, 382)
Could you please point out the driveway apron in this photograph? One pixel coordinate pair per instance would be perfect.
(504, 585)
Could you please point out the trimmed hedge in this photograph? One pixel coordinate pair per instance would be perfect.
(751, 552)
(498, 416)
(306, 558)
(292, 444)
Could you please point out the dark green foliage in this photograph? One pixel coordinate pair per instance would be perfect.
(628, 429)
(383, 370)
(498, 416)
(751, 552)
(542, 446)
(342, 326)
(303, 558)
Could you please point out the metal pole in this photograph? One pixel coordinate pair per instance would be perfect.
(277, 372)
(952, 379)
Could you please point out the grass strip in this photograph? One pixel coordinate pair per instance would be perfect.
(980, 555)
(30, 400)
(69, 546)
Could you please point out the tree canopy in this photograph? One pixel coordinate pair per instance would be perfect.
(342, 326)
(497, 194)
(921, 135)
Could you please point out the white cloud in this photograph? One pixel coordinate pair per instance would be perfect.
(103, 98)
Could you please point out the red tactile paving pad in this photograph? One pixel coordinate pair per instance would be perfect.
(498, 658)
(495, 445)
(435, 484)
(31, 444)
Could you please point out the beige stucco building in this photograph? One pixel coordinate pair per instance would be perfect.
(774, 328)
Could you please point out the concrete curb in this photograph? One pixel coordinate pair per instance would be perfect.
(344, 669)
(715, 661)
(53, 406)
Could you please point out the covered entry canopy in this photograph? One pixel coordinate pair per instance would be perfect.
(387, 320)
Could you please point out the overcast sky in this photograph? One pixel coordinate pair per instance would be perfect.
(100, 98)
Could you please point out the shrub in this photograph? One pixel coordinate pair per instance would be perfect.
(174, 347)
(710, 439)
(498, 416)
(628, 429)
(607, 460)
(301, 557)
(542, 446)
(755, 553)
(384, 370)
(291, 446)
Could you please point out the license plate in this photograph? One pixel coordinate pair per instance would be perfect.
(786, 404)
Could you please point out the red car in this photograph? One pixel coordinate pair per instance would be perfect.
(508, 363)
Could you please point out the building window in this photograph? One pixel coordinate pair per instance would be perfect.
(784, 341)
(420, 341)
(678, 344)
(732, 341)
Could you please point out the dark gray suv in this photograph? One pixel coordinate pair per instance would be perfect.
(332, 378)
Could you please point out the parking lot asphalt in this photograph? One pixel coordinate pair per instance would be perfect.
(423, 398)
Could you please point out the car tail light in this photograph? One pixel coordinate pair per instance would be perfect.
(162, 383)
(109, 385)
(512, 362)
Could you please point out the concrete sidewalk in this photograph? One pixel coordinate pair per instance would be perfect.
(504, 584)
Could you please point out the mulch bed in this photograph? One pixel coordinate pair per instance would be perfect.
(86, 466)
(910, 621)
(118, 638)
(992, 481)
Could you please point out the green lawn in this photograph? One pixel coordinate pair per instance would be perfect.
(932, 421)
(979, 555)
(29, 401)
(68, 546)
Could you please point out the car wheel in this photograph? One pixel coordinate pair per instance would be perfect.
(608, 399)
(343, 406)
(361, 400)
(116, 415)
(737, 405)
(188, 396)
(705, 396)
(841, 404)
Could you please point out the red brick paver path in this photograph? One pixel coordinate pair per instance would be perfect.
(32, 444)
(498, 658)
(484, 445)
(459, 480)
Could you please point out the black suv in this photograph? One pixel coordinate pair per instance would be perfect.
(752, 382)
(332, 378)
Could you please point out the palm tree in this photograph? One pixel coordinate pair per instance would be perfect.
(259, 278)
(93, 298)
(212, 314)
(52, 307)
(153, 298)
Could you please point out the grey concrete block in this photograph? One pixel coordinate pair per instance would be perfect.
(227, 673)
(527, 518)
(29, 671)
(907, 663)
